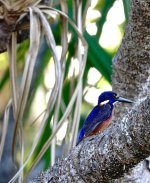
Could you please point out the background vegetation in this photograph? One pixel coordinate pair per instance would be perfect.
(102, 25)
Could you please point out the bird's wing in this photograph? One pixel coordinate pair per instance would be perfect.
(96, 116)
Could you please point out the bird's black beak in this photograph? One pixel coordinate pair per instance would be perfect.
(120, 99)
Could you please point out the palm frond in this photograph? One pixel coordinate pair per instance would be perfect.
(28, 72)
(13, 68)
(51, 43)
(76, 118)
(64, 42)
(74, 96)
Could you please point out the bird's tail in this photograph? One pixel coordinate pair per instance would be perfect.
(81, 135)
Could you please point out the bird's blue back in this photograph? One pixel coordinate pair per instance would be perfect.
(97, 116)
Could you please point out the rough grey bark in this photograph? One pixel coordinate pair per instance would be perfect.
(139, 174)
(126, 142)
(108, 155)
(131, 64)
(132, 72)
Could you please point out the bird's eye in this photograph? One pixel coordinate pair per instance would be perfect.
(115, 95)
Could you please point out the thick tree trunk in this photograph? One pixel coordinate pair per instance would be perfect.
(132, 78)
(126, 142)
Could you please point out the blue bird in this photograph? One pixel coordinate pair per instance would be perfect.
(101, 115)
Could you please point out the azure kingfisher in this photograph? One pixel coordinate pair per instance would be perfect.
(101, 115)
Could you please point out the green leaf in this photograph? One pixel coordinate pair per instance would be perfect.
(105, 7)
(99, 58)
(4, 79)
(126, 5)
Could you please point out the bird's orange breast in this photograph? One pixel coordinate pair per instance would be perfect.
(101, 126)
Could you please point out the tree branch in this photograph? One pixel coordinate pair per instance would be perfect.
(131, 73)
(108, 155)
(131, 64)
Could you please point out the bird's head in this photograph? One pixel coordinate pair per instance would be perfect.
(111, 97)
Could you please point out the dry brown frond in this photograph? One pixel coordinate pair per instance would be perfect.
(27, 74)
(77, 89)
(64, 42)
(12, 69)
(38, 19)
